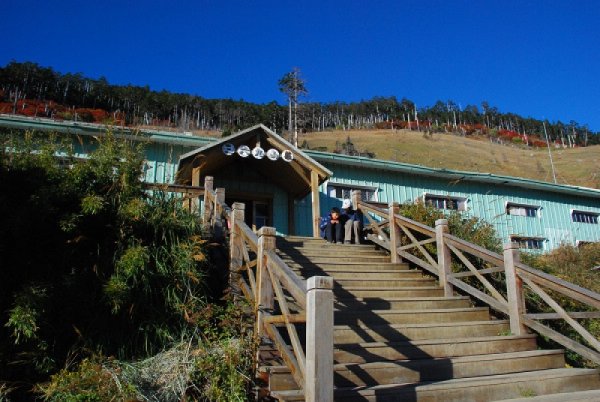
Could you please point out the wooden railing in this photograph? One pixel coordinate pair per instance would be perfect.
(284, 303)
(500, 281)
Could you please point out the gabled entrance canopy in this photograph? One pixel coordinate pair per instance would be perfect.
(297, 175)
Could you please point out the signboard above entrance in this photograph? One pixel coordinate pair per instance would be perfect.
(258, 153)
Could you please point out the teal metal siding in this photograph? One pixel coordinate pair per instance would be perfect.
(485, 200)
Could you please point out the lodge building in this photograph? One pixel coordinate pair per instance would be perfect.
(289, 188)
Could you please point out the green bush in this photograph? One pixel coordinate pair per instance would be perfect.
(92, 262)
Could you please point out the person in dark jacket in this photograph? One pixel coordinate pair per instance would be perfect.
(334, 227)
(353, 222)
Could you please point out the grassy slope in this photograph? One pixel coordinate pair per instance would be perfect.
(578, 166)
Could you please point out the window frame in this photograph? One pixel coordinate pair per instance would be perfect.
(527, 207)
(525, 239)
(365, 190)
(445, 198)
(589, 214)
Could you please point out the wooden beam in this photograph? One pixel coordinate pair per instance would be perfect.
(316, 207)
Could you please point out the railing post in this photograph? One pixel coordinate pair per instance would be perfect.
(195, 202)
(206, 207)
(217, 221)
(394, 209)
(443, 256)
(236, 256)
(356, 198)
(318, 385)
(264, 299)
(514, 289)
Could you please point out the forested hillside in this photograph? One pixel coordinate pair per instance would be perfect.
(33, 90)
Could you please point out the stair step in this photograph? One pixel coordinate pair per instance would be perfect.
(399, 303)
(488, 388)
(331, 251)
(423, 316)
(431, 348)
(362, 273)
(581, 396)
(343, 334)
(365, 283)
(346, 267)
(415, 371)
(348, 292)
(342, 258)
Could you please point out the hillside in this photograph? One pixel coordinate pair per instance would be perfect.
(574, 166)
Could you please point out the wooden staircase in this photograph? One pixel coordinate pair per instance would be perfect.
(397, 338)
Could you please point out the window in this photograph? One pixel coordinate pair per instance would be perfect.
(445, 202)
(584, 217)
(530, 211)
(342, 191)
(528, 243)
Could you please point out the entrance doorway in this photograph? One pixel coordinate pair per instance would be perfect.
(258, 210)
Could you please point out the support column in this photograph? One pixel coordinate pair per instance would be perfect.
(195, 202)
(394, 209)
(316, 207)
(318, 385)
(217, 224)
(514, 289)
(264, 299)
(236, 256)
(208, 188)
(443, 256)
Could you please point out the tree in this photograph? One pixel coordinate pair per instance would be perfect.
(293, 85)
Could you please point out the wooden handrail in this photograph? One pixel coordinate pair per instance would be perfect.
(495, 263)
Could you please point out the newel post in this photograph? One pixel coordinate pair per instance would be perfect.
(443, 256)
(236, 256)
(208, 188)
(194, 203)
(319, 339)
(264, 299)
(514, 289)
(394, 210)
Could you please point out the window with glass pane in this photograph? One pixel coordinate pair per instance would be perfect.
(522, 210)
(584, 217)
(342, 192)
(441, 202)
(529, 243)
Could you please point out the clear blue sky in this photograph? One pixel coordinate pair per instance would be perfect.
(534, 58)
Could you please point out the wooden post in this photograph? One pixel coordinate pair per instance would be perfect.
(318, 379)
(264, 299)
(514, 289)
(443, 256)
(394, 209)
(217, 223)
(236, 255)
(208, 188)
(316, 207)
(195, 202)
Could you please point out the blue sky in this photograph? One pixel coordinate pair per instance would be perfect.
(534, 58)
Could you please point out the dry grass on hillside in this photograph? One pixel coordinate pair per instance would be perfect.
(577, 166)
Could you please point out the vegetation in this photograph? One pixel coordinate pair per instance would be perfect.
(97, 272)
(30, 89)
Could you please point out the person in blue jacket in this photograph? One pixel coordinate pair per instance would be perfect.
(335, 223)
(353, 222)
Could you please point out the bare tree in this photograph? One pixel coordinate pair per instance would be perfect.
(293, 85)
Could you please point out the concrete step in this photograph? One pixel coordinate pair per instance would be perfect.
(423, 316)
(366, 283)
(321, 243)
(383, 293)
(357, 333)
(487, 388)
(432, 348)
(400, 303)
